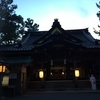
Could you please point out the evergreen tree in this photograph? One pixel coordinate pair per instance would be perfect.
(30, 25)
(11, 24)
(98, 15)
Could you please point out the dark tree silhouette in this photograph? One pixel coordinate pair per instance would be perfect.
(12, 26)
(30, 25)
(98, 15)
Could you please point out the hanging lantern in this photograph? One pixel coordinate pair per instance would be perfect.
(77, 73)
(41, 74)
(51, 74)
(2, 68)
(62, 73)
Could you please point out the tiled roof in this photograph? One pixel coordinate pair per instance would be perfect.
(87, 40)
(78, 37)
(26, 43)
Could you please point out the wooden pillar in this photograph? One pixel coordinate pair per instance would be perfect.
(48, 72)
(42, 79)
(1, 77)
(18, 87)
(75, 78)
(93, 69)
(67, 71)
(15, 81)
(23, 79)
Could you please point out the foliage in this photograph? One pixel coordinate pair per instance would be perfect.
(12, 26)
(31, 27)
(98, 15)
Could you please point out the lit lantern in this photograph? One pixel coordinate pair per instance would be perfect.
(77, 73)
(63, 73)
(2, 68)
(41, 74)
(51, 74)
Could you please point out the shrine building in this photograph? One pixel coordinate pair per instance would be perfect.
(56, 59)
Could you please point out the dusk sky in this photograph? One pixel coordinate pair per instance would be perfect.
(72, 14)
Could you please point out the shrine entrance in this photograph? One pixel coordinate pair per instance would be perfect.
(58, 73)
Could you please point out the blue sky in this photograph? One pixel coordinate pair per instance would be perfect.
(72, 14)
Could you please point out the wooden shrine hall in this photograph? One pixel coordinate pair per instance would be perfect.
(56, 59)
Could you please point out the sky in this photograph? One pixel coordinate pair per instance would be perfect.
(72, 14)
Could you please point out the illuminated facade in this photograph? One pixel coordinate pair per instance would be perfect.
(58, 53)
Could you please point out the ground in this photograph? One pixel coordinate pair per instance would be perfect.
(60, 95)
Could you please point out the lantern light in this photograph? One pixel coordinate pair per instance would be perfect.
(41, 74)
(51, 74)
(63, 73)
(2, 68)
(77, 73)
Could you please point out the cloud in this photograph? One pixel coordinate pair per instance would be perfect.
(83, 12)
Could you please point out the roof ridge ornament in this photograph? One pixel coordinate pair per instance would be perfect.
(56, 23)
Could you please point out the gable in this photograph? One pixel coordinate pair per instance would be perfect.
(56, 34)
(57, 37)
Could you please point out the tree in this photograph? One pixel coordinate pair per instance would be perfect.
(11, 24)
(98, 15)
(30, 25)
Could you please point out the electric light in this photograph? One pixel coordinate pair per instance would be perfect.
(77, 73)
(2, 68)
(62, 73)
(51, 74)
(41, 74)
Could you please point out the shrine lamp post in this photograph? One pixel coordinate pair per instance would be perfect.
(77, 74)
(2, 71)
(41, 76)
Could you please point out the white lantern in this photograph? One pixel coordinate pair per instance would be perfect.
(77, 73)
(41, 74)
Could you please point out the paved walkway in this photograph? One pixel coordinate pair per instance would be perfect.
(60, 95)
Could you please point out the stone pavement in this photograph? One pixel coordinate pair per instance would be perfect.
(60, 95)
